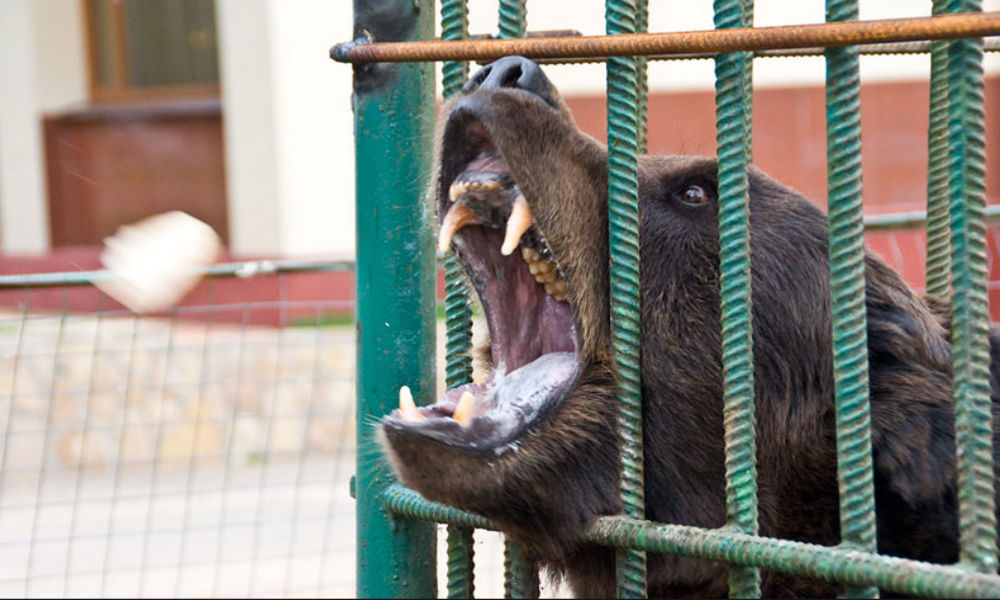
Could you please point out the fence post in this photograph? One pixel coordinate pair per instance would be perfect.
(393, 121)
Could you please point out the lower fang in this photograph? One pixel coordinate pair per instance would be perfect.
(407, 407)
(463, 410)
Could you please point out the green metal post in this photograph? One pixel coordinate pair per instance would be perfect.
(393, 117)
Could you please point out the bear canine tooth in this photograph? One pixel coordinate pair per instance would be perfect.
(519, 221)
(463, 410)
(407, 407)
(459, 215)
(457, 189)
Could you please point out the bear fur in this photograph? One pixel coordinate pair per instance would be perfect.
(563, 471)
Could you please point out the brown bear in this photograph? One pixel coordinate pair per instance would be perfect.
(522, 198)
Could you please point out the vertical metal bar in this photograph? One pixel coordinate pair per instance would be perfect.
(847, 289)
(458, 316)
(512, 22)
(642, 78)
(393, 116)
(938, 235)
(970, 311)
(733, 80)
(746, 20)
(623, 232)
(520, 577)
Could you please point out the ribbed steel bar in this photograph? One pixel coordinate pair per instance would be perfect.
(512, 21)
(847, 290)
(363, 50)
(938, 235)
(642, 78)
(746, 20)
(732, 80)
(520, 574)
(851, 567)
(458, 315)
(460, 562)
(831, 563)
(970, 310)
(520, 577)
(623, 235)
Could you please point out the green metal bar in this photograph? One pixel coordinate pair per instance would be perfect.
(642, 78)
(458, 315)
(970, 311)
(851, 567)
(395, 286)
(404, 502)
(732, 81)
(623, 235)
(519, 573)
(847, 290)
(938, 232)
(746, 20)
(512, 22)
(830, 563)
(461, 557)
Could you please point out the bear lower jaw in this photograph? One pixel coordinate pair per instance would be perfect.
(494, 415)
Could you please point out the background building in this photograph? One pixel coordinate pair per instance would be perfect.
(232, 111)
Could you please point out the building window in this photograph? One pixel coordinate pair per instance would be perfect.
(152, 49)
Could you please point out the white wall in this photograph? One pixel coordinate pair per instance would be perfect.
(286, 105)
(42, 68)
(288, 126)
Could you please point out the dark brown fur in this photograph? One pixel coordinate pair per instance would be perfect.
(565, 472)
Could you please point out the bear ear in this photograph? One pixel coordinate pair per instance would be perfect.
(913, 446)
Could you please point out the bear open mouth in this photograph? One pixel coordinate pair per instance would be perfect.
(533, 334)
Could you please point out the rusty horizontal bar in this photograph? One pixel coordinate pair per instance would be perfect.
(885, 48)
(965, 25)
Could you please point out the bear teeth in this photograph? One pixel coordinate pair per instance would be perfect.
(407, 407)
(545, 273)
(464, 408)
(518, 222)
(458, 217)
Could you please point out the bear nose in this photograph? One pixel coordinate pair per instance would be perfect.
(512, 72)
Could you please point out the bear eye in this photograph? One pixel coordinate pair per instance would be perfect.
(694, 194)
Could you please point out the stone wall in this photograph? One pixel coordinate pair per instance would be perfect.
(89, 392)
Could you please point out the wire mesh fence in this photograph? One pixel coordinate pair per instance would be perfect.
(195, 453)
